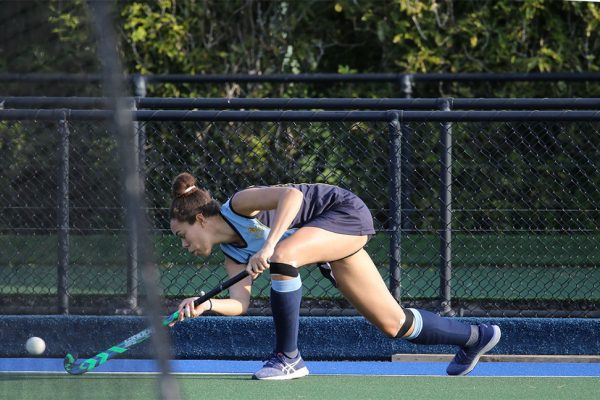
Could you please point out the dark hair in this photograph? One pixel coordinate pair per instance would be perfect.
(190, 200)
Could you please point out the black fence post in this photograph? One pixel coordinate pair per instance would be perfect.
(63, 217)
(140, 90)
(132, 270)
(395, 140)
(445, 213)
(406, 85)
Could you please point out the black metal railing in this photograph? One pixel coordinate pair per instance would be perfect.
(29, 102)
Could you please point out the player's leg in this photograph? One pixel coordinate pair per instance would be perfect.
(309, 245)
(306, 246)
(286, 295)
(361, 283)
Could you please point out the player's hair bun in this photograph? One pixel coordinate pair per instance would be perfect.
(184, 185)
(189, 200)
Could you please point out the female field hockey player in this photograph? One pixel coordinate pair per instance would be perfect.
(283, 228)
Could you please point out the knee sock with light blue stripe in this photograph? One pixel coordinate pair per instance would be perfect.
(286, 296)
(430, 328)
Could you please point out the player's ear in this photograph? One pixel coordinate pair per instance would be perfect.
(201, 219)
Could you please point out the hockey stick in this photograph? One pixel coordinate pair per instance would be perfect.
(77, 367)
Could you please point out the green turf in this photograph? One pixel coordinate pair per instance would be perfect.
(133, 387)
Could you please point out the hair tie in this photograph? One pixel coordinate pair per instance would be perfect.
(188, 190)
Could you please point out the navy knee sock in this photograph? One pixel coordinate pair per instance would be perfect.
(430, 328)
(286, 296)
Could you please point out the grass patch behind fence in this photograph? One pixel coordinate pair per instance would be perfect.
(557, 267)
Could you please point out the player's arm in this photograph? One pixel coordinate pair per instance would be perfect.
(285, 200)
(239, 294)
(237, 303)
(251, 201)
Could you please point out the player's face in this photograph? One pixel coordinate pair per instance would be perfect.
(194, 237)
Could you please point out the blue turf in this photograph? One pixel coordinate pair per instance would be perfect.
(54, 365)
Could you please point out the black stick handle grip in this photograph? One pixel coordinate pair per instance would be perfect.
(222, 286)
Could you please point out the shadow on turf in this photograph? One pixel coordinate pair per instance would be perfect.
(20, 377)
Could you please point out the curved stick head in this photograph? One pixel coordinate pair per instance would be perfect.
(71, 365)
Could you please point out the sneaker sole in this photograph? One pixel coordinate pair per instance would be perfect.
(491, 344)
(294, 375)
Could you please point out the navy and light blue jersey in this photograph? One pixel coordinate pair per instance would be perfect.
(252, 231)
(324, 206)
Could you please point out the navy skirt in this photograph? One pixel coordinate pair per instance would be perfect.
(330, 208)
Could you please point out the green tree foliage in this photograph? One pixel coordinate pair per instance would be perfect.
(347, 36)
(262, 37)
(265, 37)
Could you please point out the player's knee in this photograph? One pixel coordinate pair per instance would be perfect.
(390, 330)
(407, 323)
(284, 255)
(389, 326)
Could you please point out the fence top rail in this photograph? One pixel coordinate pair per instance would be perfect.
(307, 103)
(314, 77)
(304, 115)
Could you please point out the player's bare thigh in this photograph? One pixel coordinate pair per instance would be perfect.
(309, 245)
(361, 283)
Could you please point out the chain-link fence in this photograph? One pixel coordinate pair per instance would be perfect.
(496, 217)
